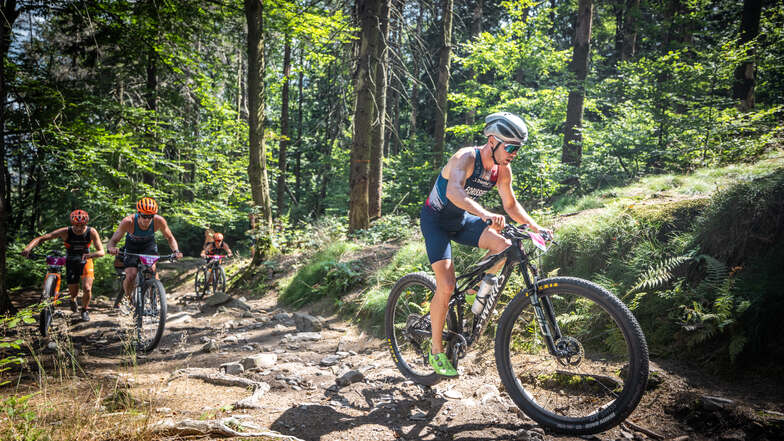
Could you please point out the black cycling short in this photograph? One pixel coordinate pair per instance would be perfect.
(75, 269)
(132, 261)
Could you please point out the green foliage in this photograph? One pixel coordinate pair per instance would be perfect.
(323, 275)
(20, 424)
(387, 228)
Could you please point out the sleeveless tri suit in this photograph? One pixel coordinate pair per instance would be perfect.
(442, 221)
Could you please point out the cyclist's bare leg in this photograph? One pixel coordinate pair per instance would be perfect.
(87, 291)
(494, 243)
(129, 284)
(445, 286)
(73, 291)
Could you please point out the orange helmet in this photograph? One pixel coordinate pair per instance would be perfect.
(218, 237)
(79, 217)
(147, 206)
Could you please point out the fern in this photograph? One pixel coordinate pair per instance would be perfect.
(660, 274)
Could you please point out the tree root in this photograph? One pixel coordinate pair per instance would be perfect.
(218, 379)
(222, 427)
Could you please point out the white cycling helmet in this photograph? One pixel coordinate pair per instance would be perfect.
(506, 127)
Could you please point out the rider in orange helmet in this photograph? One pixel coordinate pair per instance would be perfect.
(139, 230)
(79, 264)
(216, 246)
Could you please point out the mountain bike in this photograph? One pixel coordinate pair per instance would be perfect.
(50, 295)
(210, 277)
(148, 301)
(569, 353)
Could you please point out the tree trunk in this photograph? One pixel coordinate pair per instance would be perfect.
(298, 166)
(745, 74)
(284, 126)
(10, 14)
(379, 114)
(572, 147)
(257, 167)
(442, 88)
(367, 14)
(629, 46)
(476, 29)
(412, 124)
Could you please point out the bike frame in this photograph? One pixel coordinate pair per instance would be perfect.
(516, 258)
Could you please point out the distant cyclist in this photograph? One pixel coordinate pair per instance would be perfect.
(216, 246)
(139, 230)
(79, 265)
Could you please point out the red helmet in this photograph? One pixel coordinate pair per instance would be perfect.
(79, 217)
(218, 237)
(147, 206)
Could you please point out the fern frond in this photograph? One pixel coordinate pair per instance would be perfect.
(660, 274)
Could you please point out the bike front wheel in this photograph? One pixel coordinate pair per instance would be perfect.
(407, 326)
(599, 373)
(150, 315)
(45, 317)
(200, 282)
(219, 279)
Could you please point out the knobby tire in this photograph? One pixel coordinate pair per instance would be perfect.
(540, 384)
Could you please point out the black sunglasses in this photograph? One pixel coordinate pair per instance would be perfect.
(147, 216)
(511, 148)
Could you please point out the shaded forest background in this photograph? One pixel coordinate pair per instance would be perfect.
(283, 113)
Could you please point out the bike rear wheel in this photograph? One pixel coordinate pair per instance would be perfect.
(45, 317)
(150, 315)
(407, 326)
(600, 378)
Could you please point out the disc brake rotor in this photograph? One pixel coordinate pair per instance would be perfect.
(572, 351)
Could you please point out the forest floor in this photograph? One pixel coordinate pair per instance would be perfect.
(333, 383)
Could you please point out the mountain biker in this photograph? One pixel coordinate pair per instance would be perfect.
(216, 246)
(139, 229)
(452, 213)
(79, 265)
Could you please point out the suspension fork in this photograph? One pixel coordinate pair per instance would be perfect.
(543, 310)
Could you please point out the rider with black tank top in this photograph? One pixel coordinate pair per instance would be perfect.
(79, 262)
(139, 242)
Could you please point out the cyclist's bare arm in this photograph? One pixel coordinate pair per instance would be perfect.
(163, 226)
(225, 246)
(457, 171)
(96, 238)
(511, 205)
(61, 233)
(122, 229)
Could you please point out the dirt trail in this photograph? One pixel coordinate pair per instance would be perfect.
(338, 383)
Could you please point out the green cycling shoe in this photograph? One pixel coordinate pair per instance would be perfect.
(441, 365)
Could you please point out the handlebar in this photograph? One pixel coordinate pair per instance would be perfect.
(54, 253)
(511, 231)
(170, 257)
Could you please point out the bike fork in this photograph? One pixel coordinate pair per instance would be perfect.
(545, 317)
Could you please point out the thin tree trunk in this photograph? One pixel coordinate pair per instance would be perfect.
(745, 74)
(257, 167)
(412, 124)
(572, 147)
(298, 167)
(476, 29)
(367, 14)
(284, 126)
(629, 46)
(379, 114)
(442, 88)
(10, 14)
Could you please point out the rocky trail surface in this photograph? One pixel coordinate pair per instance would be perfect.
(233, 367)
